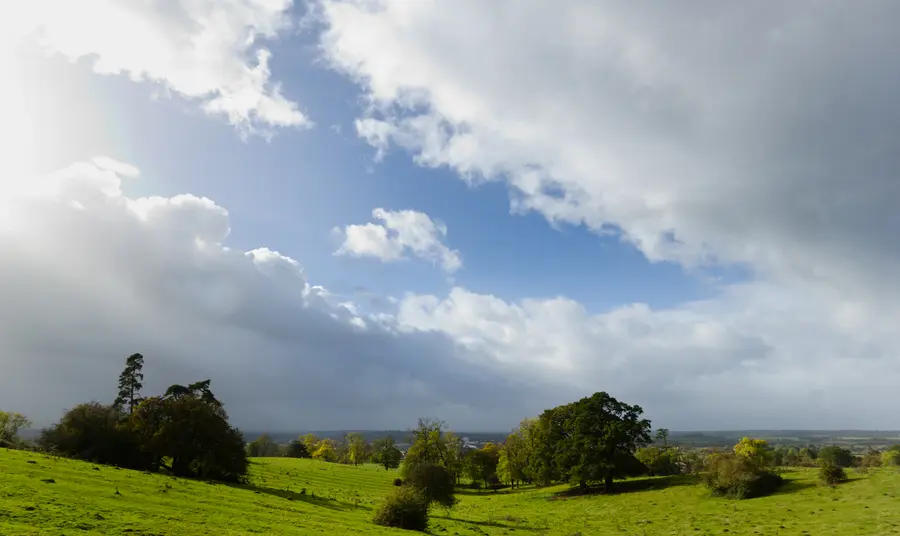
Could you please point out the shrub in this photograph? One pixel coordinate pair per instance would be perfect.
(890, 457)
(405, 507)
(868, 461)
(659, 461)
(831, 474)
(93, 432)
(738, 477)
(398, 481)
(435, 482)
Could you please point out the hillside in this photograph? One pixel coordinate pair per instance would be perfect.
(82, 499)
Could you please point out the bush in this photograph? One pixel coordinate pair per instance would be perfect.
(870, 460)
(831, 474)
(93, 432)
(405, 507)
(398, 481)
(739, 477)
(659, 461)
(435, 482)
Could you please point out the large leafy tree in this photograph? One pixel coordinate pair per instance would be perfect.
(513, 462)
(594, 439)
(386, 453)
(297, 449)
(482, 466)
(130, 383)
(191, 429)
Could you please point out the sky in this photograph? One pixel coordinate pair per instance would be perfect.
(349, 214)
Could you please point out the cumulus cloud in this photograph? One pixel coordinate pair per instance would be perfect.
(400, 233)
(90, 275)
(210, 51)
(735, 133)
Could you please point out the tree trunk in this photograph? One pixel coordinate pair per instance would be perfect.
(608, 483)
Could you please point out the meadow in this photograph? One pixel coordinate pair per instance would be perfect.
(57, 496)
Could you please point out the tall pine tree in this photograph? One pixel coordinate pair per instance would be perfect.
(130, 383)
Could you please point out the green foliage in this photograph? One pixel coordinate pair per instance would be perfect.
(591, 440)
(130, 383)
(405, 508)
(868, 461)
(386, 453)
(194, 433)
(94, 432)
(10, 424)
(890, 458)
(297, 449)
(512, 466)
(835, 455)
(429, 445)
(325, 451)
(435, 482)
(756, 451)
(263, 447)
(830, 473)
(482, 464)
(738, 476)
(358, 449)
(658, 460)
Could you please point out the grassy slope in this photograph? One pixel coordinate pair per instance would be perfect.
(339, 500)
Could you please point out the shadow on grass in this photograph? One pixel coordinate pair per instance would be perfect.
(489, 524)
(793, 486)
(632, 485)
(323, 502)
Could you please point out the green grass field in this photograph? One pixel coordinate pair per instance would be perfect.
(339, 499)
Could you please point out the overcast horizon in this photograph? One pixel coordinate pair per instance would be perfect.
(355, 213)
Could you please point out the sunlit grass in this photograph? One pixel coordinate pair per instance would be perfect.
(289, 496)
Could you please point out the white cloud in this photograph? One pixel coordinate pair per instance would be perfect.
(211, 51)
(400, 233)
(763, 136)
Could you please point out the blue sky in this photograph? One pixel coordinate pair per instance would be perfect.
(735, 259)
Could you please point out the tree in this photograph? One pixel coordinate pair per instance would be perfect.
(357, 448)
(93, 432)
(297, 449)
(435, 482)
(757, 451)
(830, 474)
(310, 440)
(663, 435)
(263, 447)
(386, 453)
(483, 464)
(199, 390)
(429, 445)
(659, 461)
(10, 424)
(130, 383)
(325, 451)
(513, 462)
(594, 439)
(456, 454)
(835, 455)
(192, 430)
